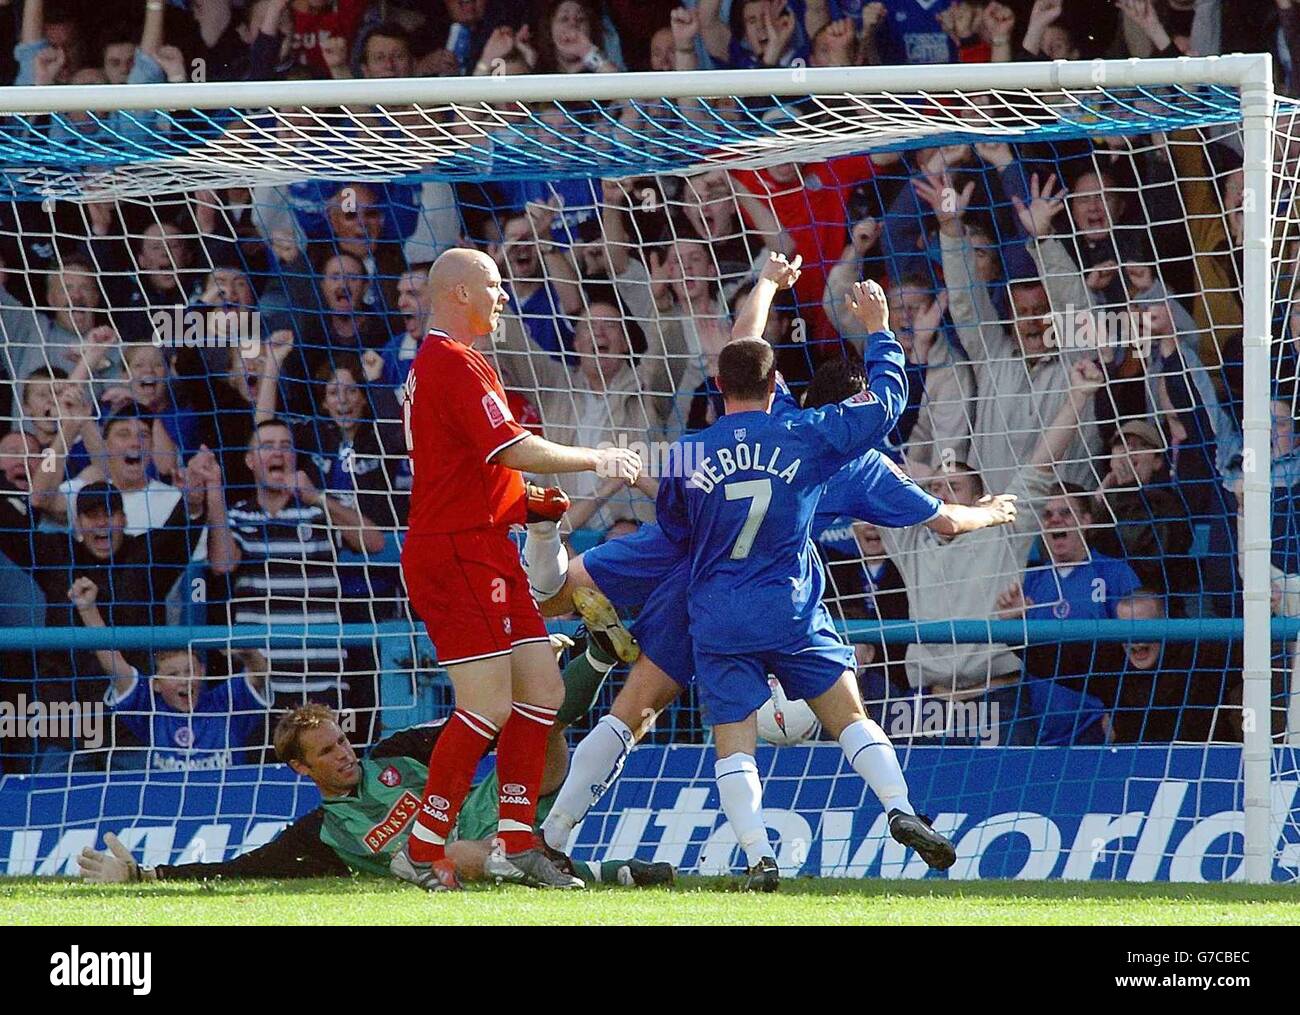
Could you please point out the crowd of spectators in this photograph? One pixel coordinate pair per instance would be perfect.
(254, 472)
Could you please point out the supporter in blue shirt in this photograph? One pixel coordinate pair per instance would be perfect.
(183, 723)
(1077, 583)
(413, 306)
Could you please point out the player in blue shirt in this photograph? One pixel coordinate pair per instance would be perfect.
(184, 725)
(742, 495)
(646, 571)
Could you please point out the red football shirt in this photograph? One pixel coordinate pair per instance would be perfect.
(311, 27)
(813, 209)
(457, 418)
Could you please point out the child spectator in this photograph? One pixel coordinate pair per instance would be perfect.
(184, 724)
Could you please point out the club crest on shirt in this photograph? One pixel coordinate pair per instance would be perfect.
(184, 736)
(497, 411)
(863, 398)
(390, 777)
(1061, 610)
(304, 532)
(740, 433)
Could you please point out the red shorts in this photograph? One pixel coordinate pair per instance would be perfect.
(472, 594)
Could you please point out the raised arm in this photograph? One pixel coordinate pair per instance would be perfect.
(33, 29)
(151, 38)
(777, 274)
(969, 304)
(83, 596)
(359, 533)
(716, 34)
(1086, 377)
(204, 470)
(762, 218)
(268, 391)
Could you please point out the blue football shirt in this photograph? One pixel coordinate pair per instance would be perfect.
(742, 496)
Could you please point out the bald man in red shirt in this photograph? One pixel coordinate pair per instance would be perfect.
(465, 581)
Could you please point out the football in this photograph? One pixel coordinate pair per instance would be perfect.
(784, 722)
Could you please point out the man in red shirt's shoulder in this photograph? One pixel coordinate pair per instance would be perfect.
(465, 581)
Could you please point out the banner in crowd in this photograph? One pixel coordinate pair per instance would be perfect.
(1151, 813)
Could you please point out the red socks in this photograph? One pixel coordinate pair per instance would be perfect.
(521, 756)
(455, 757)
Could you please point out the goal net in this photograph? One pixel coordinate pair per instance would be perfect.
(212, 295)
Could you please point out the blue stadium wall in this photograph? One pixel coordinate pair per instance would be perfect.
(1132, 813)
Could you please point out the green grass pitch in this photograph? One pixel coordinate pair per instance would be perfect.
(375, 901)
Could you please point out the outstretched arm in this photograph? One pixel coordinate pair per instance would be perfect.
(297, 852)
(538, 455)
(954, 519)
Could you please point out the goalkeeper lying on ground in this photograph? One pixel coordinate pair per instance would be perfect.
(369, 806)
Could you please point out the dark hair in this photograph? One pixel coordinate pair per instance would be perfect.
(45, 374)
(273, 421)
(1146, 594)
(834, 381)
(129, 412)
(546, 57)
(597, 292)
(389, 30)
(960, 467)
(746, 369)
(737, 19)
(100, 495)
(326, 251)
(350, 362)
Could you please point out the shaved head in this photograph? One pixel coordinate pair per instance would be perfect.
(466, 293)
(455, 267)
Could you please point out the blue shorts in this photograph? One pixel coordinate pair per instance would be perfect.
(732, 687)
(628, 570)
(662, 629)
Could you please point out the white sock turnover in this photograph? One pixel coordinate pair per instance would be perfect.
(872, 756)
(742, 802)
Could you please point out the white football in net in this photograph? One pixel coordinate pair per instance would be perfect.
(784, 722)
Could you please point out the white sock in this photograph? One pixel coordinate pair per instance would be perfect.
(546, 561)
(742, 802)
(595, 764)
(872, 757)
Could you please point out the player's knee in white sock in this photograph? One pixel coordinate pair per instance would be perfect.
(596, 763)
(546, 561)
(872, 756)
(742, 801)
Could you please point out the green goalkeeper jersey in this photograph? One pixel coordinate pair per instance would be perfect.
(366, 828)
(361, 831)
